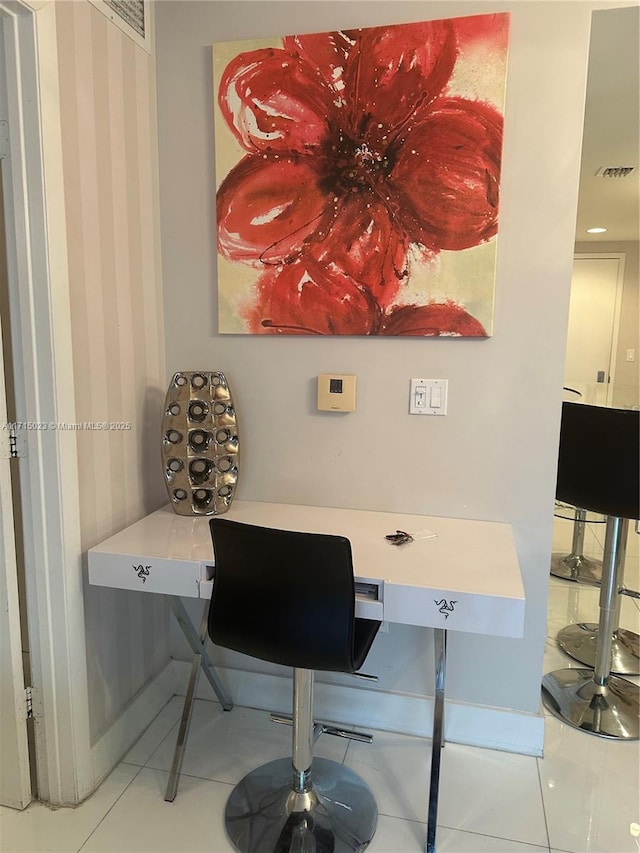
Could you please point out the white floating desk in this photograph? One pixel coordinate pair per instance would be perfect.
(465, 578)
(471, 563)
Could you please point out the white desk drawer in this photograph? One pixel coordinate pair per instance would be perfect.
(150, 574)
(455, 611)
(368, 609)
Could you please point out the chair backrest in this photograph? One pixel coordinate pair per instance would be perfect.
(283, 596)
(599, 459)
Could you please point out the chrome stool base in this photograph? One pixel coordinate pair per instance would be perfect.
(611, 710)
(265, 815)
(574, 567)
(580, 641)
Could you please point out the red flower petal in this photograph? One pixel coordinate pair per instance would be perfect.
(326, 52)
(447, 175)
(435, 319)
(267, 208)
(303, 299)
(273, 101)
(393, 74)
(364, 244)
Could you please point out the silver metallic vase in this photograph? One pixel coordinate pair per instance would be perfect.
(200, 445)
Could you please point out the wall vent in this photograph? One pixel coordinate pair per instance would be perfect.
(615, 171)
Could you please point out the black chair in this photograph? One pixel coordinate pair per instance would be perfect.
(599, 469)
(574, 566)
(288, 598)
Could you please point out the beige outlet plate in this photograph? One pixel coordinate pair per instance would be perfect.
(336, 393)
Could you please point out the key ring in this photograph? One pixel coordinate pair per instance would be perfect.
(399, 537)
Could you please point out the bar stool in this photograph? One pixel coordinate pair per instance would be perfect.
(599, 462)
(289, 598)
(575, 566)
(580, 641)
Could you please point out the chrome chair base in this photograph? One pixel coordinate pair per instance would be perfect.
(610, 710)
(574, 567)
(580, 641)
(265, 815)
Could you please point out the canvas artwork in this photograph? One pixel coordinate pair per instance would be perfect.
(358, 177)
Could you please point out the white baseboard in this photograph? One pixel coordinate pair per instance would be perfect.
(134, 719)
(361, 707)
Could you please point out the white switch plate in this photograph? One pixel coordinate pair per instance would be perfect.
(428, 397)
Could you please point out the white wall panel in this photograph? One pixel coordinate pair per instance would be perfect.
(110, 167)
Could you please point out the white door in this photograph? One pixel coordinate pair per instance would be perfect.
(593, 319)
(15, 780)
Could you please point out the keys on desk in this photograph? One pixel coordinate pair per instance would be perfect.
(399, 538)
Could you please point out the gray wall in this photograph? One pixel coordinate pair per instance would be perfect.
(494, 455)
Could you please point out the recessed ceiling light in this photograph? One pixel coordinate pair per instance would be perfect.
(596, 230)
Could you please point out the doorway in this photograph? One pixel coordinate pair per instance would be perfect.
(594, 318)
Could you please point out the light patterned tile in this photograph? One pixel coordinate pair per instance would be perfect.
(395, 835)
(41, 828)
(492, 793)
(481, 790)
(396, 769)
(142, 822)
(155, 733)
(225, 745)
(590, 788)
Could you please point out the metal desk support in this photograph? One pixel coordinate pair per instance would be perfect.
(200, 661)
(437, 742)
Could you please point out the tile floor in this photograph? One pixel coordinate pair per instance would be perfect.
(582, 797)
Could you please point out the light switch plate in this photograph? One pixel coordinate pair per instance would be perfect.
(336, 392)
(428, 396)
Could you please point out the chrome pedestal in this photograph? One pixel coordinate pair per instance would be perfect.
(596, 701)
(265, 814)
(575, 566)
(608, 710)
(580, 641)
(302, 804)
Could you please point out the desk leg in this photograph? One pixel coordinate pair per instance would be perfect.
(196, 641)
(437, 742)
(200, 661)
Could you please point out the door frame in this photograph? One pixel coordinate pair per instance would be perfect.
(15, 788)
(41, 328)
(615, 331)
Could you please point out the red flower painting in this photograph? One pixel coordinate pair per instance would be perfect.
(361, 163)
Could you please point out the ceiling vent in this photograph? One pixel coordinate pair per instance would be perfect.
(615, 171)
